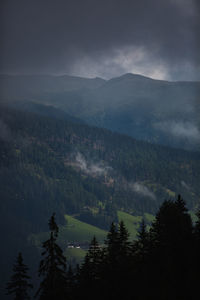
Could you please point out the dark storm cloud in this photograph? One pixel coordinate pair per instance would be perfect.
(101, 37)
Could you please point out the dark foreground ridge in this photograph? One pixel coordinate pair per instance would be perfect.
(163, 263)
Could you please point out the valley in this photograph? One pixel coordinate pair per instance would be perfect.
(54, 157)
(51, 163)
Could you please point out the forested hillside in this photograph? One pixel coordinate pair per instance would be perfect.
(51, 164)
(98, 162)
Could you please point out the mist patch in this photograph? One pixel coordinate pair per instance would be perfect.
(180, 129)
(141, 189)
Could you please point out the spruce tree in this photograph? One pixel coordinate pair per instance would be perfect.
(70, 278)
(52, 267)
(92, 262)
(116, 261)
(123, 237)
(71, 283)
(141, 246)
(171, 245)
(180, 204)
(112, 242)
(196, 254)
(141, 272)
(172, 225)
(19, 283)
(197, 227)
(124, 250)
(90, 277)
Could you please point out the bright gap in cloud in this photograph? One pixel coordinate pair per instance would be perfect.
(136, 60)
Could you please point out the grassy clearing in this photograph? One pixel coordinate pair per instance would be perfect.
(171, 193)
(74, 232)
(81, 232)
(149, 218)
(193, 216)
(132, 223)
(78, 232)
(75, 255)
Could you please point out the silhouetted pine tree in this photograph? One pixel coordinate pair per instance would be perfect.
(141, 246)
(19, 283)
(123, 238)
(124, 263)
(52, 267)
(112, 243)
(171, 243)
(181, 205)
(172, 225)
(161, 263)
(116, 261)
(197, 227)
(139, 273)
(124, 250)
(92, 262)
(91, 270)
(196, 255)
(71, 282)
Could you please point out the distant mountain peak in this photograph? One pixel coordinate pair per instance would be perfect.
(131, 76)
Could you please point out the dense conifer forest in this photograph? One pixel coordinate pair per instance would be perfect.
(163, 263)
(51, 163)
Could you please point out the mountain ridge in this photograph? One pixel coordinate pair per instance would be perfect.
(161, 112)
(128, 75)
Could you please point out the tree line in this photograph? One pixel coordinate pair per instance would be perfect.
(163, 263)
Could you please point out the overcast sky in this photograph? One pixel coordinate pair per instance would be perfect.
(105, 38)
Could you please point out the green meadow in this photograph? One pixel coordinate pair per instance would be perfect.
(132, 223)
(76, 232)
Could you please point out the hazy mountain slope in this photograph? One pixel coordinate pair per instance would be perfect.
(153, 110)
(157, 111)
(48, 165)
(34, 87)
(44, 110)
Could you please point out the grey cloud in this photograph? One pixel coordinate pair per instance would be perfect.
(141, 189)
(81, 162)
(180, 129)
(91, 168)
(129, 59)
(54, 36)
